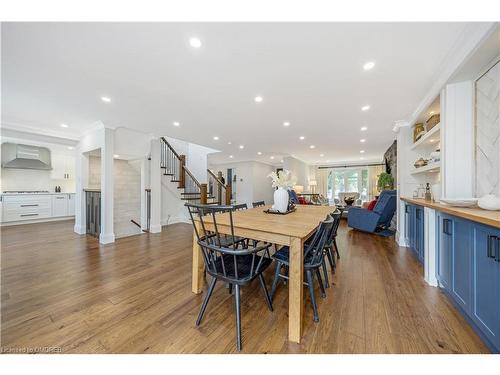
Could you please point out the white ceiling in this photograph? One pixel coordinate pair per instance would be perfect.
(309, 74)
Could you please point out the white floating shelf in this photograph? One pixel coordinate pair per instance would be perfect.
(429, 168)
(426, 140)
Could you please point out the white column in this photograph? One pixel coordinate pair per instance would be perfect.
(107, 188)
(155, 180)
(457, 140)
(82, 176)
(430, 246)
(144, 186)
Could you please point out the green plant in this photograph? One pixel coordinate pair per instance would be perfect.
(385, 181)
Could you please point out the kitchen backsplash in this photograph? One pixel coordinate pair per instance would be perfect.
(32, 179)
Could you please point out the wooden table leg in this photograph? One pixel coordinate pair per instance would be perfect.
(198, 265)
(295, 290)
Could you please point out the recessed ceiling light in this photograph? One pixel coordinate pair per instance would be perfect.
(230, 156)
(195, 42)
(105, 99)
(259, 153)
(362, 152)
(364, 128)
(258, 99)
(175, 123)
(241, 147)
(369, 65)
(362, 140)
(286, 123)
(432, 140)
(281, 161)
(312, 146)
(302, 137)
(272, 157)
(116, 156)
(71, 148)
(321, 155)
(216, 138)
(365, 108)
(64, 126)
(229, 142)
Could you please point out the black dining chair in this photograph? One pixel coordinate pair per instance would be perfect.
(313, 261)
(238, 207)
(258, 204)
(233, 264)
(327, 251)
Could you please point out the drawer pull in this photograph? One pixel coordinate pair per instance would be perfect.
(491, 246)
(29, 205)
(446, 228)
(23, 215)
(497, 252)
(60, 197)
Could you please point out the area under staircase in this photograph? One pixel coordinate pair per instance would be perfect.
(174, 165)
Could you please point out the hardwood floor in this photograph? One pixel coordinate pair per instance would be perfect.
(66, 291)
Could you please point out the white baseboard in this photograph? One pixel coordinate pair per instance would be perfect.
(105, 238)
(80, 229)
(36, 221)
(155, 228)
(175, 220)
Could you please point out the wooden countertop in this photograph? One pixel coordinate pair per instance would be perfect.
(475, 214)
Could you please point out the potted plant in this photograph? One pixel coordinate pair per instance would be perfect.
(385, 182)
(283, 182)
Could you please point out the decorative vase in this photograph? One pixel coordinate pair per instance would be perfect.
(280, 200)
(489, 202)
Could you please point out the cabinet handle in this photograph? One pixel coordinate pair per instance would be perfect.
(491, 246)
(59, 197)
(446, 222)
(29, 215)
(497, 252)
(406, 209)
(29, 205)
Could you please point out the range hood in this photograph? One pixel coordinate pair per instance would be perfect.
(25, 156)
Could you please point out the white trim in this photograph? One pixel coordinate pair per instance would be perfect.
(155, 228)
(175, 220)
(36, 221)
(105, 238)
(80, 229)
(471, 38)
(430, 246)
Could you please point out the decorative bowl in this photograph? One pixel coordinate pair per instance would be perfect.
(420, 163)
(460, 202)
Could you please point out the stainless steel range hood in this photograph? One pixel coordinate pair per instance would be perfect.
(25, 156)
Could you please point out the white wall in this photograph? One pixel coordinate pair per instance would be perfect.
(300, 170)
(252, 183)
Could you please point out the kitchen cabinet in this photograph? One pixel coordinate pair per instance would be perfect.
(63, 166)
(485, 308)
(60, 205)
(71, 204)
(414, 231)
(468, 269)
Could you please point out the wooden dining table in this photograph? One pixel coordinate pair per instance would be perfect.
(292, 230)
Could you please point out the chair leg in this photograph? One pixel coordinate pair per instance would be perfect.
(336, 248)
(266, 294)
(331, 260)
(276, 279)
(311, 292)
(325, 272)
(321, 285)
(238, 316)
(205, 301)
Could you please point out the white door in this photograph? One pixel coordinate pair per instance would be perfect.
(71, 204)
(60, 205)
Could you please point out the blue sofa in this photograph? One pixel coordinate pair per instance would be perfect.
(372, 221)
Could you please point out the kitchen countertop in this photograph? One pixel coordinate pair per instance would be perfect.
(479, 215)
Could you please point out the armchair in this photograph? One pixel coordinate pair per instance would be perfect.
(381, 216)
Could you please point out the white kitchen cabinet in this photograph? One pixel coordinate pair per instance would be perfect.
(26, 207)
(63, 167)
(60, 205)
(71, 204)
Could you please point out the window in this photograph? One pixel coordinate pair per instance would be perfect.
(348, 180)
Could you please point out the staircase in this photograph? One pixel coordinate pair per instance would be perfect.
(174, 165)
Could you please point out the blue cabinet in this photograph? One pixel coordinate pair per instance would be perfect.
(468, 268)
(486, 282)
(414, 230)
